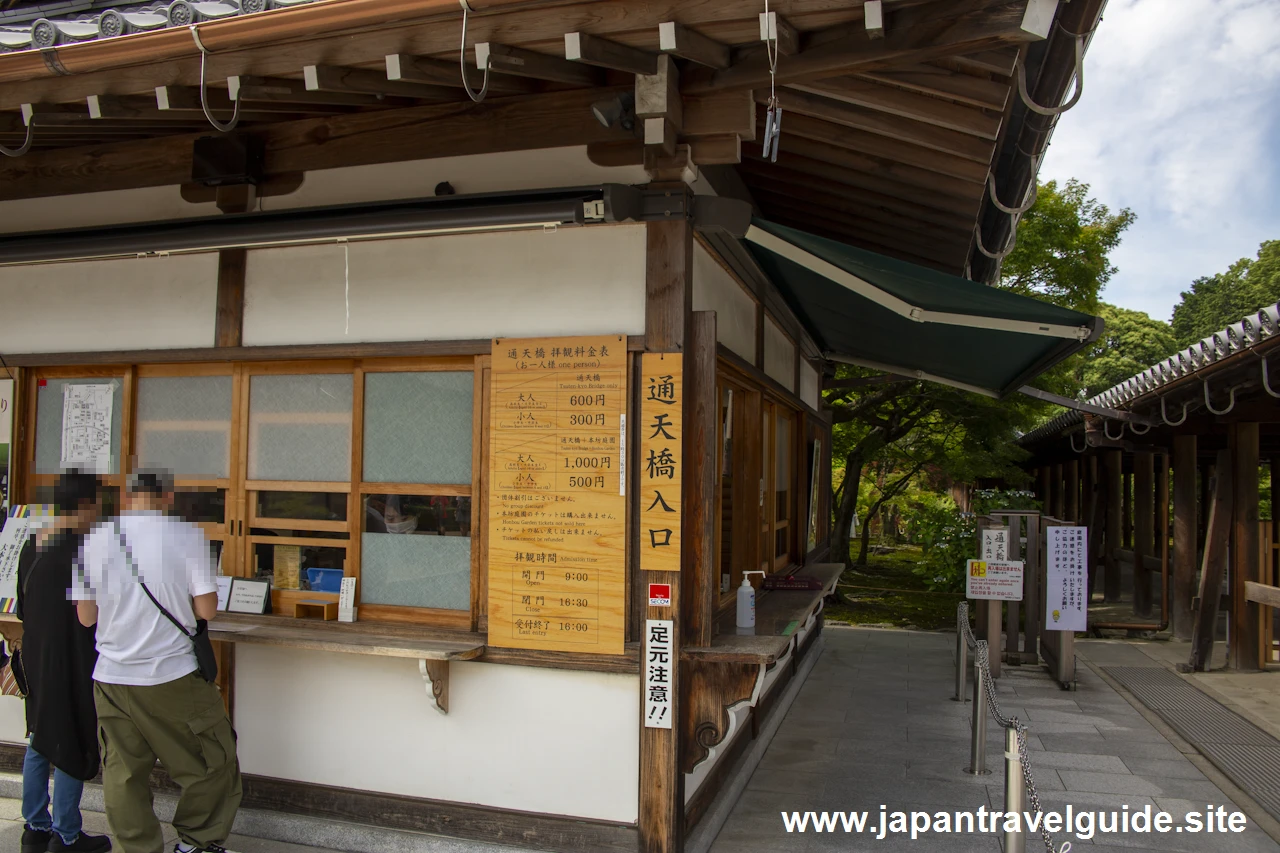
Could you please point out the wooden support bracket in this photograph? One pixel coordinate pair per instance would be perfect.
(436, 674)
(363, 81)
(594, 50)
(504, 59)
(710, 690)
(679, 40)
(774, 27)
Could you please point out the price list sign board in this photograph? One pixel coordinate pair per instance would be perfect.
(557, 494)
(1067, 586)
(661, 461)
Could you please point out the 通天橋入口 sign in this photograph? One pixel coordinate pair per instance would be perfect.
(1066, 588)
(557, 494)
(661, 461)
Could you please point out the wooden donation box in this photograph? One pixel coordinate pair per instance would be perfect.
(557, 494)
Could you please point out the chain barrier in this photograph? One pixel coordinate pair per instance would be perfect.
(983, 662)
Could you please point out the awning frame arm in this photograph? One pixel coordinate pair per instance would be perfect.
(1088, 408)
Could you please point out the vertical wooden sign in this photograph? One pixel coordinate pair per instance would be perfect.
(661, 460)
(557, 494)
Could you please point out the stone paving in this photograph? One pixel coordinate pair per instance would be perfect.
(874, 725)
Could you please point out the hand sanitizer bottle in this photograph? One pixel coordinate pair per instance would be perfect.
(747, 603)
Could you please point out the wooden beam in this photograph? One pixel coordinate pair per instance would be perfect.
(1246, 618)
(1214, 565)
(1268, 596)
(931, 79)
(437, 72)
(999, 62)
(1111, 572)
(875, 145)
(549, 120)
(914, 34)
(775, 28)
(907, 105)
(504, 59)
(678, 40)
(793, 158)
(1143, 534)
(725, 149)
(660, 135)
(699, 570)
(186, 99)
(257, 90)
(883, 124)
(365, 81)
(1185, 544)
(658, 94)
(723, 112)
(595, 50)
(669, 293)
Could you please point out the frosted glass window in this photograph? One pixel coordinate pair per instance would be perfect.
(416, 551)
(300, 427)
(49, 421)
(184, 425)
(417, 427)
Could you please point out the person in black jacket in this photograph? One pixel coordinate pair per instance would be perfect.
(58, 657)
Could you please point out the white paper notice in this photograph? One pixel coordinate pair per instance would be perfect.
(994, 580)
(347, 600)
(995, 543)
(12, 538)
(86, 427)
(658, 668)
(1066, 588)
(248, 596)
(224, 591)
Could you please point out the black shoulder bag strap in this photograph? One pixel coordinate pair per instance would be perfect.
(206, 659)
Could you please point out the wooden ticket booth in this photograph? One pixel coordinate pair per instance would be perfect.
(520, 349)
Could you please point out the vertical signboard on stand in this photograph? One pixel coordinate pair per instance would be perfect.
(661, 460)
(557, 494)
(1066, 587)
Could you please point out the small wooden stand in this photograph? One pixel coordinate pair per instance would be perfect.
(326, 610)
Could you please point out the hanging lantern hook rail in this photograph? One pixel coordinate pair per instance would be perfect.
(1106, 430)
(1165, 417)
(204, 89)
(1231, 403)
(462, 60)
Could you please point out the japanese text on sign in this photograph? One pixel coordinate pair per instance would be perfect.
(1067, 579)
(995, 543)
(557, 505)
(994, 580)
(661, 461)
(659, 666)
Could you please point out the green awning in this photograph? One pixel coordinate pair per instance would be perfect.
(867, 309)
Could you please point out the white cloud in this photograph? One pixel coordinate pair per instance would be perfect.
(1180, 121)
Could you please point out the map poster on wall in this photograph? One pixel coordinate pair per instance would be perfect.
(661, 460)
(1067, 586)
(86, 427)
(557, 494)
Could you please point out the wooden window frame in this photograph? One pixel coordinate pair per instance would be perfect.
(241, 492)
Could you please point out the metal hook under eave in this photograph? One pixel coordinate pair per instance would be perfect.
(31, 135)
(999, 256)
(1133, 428)
(1266, 383)
(1165, 417)
(1015, 211)
(1231, 404)
(462, 60)
(204, 93)
(1106, 430)
(1053, 111)
(1072, 438)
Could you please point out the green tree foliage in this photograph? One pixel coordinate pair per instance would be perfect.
(1215, 302)
(1130, 343)
(1064, 243)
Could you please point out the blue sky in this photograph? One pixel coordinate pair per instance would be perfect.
(1180, 121)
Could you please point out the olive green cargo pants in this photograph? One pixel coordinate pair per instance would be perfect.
(184, 724)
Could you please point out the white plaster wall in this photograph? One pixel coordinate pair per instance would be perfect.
(809, 385)
(779, 355)
(475, 173)
(588, 280)
(540, 740)
(13, 720)
(715, 290)
(151, 303)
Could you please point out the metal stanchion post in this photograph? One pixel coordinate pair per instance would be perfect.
(978, 745)
(962, 662)
(1015, 792)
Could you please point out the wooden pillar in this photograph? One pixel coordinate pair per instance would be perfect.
(1162, 533)
(1046, 491)
(699, 500)
(1213, 566)
(1092, 514)
(1185, 533)
(668, 314)
(1246, 616)
(1127, 510)
(1071, 507)
(1206, 478)
(1059, 491)
(1143, 516)
(1115, 522)
(229, 317)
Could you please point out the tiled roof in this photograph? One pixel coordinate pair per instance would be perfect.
(50, 24)
(1251, 330)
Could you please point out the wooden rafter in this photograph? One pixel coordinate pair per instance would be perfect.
(908, 105)
(505, 59)
(423, 69)
(932, 79)
(364, 81)
(596, 50)
(678, 40)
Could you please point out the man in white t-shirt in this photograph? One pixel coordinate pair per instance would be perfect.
(152, 701)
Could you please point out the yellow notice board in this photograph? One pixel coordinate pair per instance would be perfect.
(557, 494)
(661, 460)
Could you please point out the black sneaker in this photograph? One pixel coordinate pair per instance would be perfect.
(35, 840)
(84, 843)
